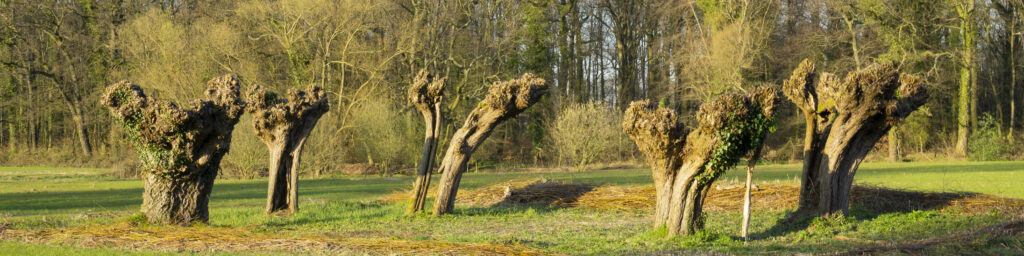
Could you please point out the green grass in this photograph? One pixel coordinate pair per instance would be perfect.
(35, 197)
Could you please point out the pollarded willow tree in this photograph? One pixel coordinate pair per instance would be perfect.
(426, 94)
(844, 120)
(180, 149)
(504, 100)
(284, 124)
(683, 168)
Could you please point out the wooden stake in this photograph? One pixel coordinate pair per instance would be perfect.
(746, 196)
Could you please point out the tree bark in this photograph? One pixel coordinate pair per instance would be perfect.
(426, 95)
(178, 201)
(504, 100)
(83, 136)
(894, 144)
(660, 136)
(810, 191)
(180, 149)
(965, 11)
(844, 121)
(685, 167)
(284, 124)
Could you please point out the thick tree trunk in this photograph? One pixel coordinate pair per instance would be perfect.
(728, 128)
(284, 124)
(810, 189)
(844, 121)
(661, 138)
(426, 95)
(282, 188)
(279, 177)
(663, 195)
(452, 168)
(173, 201)
(504, 100)
(181, 149)
(685, 209)
(842, 155)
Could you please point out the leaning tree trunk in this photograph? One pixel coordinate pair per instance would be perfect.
(180, 149)
(684, 167)
(504, 100)
(426, 95)
(83, 135)
(284, 124)
(844, 121)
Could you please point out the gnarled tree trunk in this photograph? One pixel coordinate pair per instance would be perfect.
(661, 137)
(180, 149)
(284, 124)
(844, 121)
(504, 100)
(684, 167)
(426, 95)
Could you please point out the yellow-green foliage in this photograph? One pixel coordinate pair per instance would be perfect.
(384, 134)
(588, 132)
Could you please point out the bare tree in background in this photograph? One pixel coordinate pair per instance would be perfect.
(180, 149)
(283, 124)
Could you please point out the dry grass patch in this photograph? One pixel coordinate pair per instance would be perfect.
(129, 236)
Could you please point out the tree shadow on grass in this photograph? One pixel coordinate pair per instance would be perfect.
(46, 201)
(869, 202)
(335, 212)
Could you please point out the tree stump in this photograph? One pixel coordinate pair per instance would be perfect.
(505, 100)
(843, 121)
(683, 168)
(283, 124)
(426, 95)
(179, 149)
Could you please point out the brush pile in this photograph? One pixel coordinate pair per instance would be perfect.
(535, 192)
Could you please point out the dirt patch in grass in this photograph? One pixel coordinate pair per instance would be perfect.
(724, 197)
(129, 236)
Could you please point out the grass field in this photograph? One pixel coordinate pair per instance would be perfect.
(342, 209)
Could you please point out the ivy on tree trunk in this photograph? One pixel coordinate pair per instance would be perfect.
(180, 149)
(683, 168)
